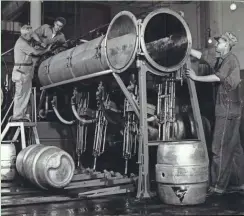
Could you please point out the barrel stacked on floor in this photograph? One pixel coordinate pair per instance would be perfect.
(8, 158)
(182, 172)
(45, 166)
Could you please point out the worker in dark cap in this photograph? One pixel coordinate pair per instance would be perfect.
(227, 153)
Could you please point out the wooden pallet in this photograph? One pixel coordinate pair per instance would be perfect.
(82, 186)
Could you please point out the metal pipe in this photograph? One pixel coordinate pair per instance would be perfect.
(45, 111)
(54, 102)
(105, 123)
(127, 94)
(82, 120)
(165, 110)
(41, 100)
(7, 51)
(7, 112)
(85, 140)
(76, 79)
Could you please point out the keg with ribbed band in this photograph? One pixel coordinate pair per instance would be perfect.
(45, 166)
(182, 172)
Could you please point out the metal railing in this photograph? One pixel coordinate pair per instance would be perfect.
(5, 53)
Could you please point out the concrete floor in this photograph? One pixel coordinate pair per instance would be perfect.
(229, 204)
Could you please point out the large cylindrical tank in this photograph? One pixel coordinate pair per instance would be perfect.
(79, 61)
(182, 172)
(8, 158)
(45, 166)
(165, 40)
(88, 59)
(164, 37)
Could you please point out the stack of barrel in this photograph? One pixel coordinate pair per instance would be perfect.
(45, 166)
(182, 172)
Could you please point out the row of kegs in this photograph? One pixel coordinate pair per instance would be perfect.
(181, 169)
(44, 166)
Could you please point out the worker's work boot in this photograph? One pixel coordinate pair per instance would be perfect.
(24, 119)
(213, 191)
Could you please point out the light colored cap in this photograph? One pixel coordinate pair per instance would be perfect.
(229, 37)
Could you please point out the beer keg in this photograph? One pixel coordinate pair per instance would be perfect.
(182, 172)
(8, 157)
(45, 166)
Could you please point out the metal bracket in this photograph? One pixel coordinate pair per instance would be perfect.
(69, 63)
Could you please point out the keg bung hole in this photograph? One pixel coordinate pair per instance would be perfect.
(166, 40)
(163, 175)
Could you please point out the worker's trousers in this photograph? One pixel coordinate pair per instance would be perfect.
(21, 98)
(242, 128)
(228, 157)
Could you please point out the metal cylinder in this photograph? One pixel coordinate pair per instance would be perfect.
(116, 51)
(85, 59)
(45, 166)
(165, 40)
(8, 157)
(182, 172)
(121, 41)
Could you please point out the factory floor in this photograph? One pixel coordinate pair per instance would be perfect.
(229, 204)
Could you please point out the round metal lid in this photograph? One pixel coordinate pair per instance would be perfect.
(121, 41)
(165, 40)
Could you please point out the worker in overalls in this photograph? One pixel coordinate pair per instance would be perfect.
(227, 153)
(23, 72)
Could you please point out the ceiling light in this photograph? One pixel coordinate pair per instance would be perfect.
(233, 6)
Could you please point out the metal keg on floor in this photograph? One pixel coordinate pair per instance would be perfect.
(8, 158)
(182, 172)
(45, 166)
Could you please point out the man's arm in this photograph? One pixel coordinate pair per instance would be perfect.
(62, 39)
(38, 53)
(29, 50)
(207, 57)
(36, 37)
(209, 78)
(195, 53)
(39, 33)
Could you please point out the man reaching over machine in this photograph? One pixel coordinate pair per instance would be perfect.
(226, 148)
(23, 72)
(47, 34)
